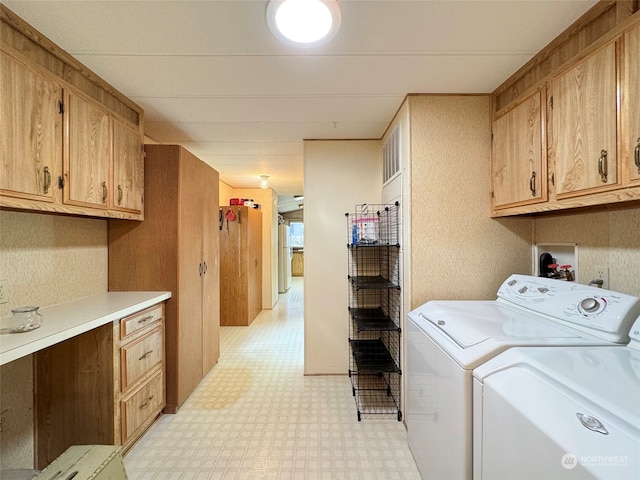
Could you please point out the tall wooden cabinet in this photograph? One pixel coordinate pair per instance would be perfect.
(240, 265)
(176, 248)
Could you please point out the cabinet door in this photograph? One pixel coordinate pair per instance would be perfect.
(31, 125)
(518, 170)
(211, 276)
(87, 153)
(253, 252)
(190, 276)
(631, 103)
(128, 168)
(584, 125)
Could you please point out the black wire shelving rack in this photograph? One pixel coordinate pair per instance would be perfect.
(375, 302)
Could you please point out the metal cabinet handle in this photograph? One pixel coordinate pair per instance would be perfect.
(145, 355)
(119, 194)
(602, 166)
(636, 154)
(204, 269)
(200, 269)
(104, 192)
(145, 319)
(147, 402)
(47, 180)
(532, 184)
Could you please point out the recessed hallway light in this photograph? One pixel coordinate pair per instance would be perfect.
(307, 23)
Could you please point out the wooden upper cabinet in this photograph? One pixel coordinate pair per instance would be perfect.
(31, 126)
(518, 166)
(69, 142)
(584, 121)
(127, 189)
(631, 104)
(87, 152)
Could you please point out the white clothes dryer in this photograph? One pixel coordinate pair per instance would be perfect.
(556, 414)
(447, 340)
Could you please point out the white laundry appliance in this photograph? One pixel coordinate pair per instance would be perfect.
(285, 255)
(447, 340)
(559, 413)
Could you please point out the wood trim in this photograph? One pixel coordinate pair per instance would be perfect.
(618, 199)
(17, 36)
(601, 23)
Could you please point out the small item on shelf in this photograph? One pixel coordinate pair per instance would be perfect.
(24, 319)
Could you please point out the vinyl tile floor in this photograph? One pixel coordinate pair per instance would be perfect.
(256, 416)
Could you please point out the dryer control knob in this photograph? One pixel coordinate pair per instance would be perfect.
(589, 305)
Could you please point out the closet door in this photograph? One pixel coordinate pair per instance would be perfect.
(190, 267)
(211, 276)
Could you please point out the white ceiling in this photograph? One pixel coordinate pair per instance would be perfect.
(212, 77)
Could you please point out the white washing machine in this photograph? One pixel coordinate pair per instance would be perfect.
(552, 413)
(446, 340)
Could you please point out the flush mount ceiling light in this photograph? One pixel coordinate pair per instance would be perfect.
(304, 23)
(264, 182)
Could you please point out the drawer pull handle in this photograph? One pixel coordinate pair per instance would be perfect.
(145, 355)
(636, 155)
(119, 195)
(145, 319)
(104, 192)
(147, 402)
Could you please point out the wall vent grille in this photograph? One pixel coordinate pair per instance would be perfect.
(391, 156)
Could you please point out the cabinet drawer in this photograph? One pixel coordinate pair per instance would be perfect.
(140, 320)
(140, 356)
(142, 405)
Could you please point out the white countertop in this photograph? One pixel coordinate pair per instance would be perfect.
(66, 320)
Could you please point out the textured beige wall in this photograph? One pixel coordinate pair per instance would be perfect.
(49, 259)
(605, 239)
(46, 259)
(337, 176)
(456, 251)
(225, 193)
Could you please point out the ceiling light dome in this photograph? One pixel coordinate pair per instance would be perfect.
(306, 23)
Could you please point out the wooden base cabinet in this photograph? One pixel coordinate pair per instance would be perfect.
(176, 248)
(104, 387)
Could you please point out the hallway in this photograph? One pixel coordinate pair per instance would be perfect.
(256, 416)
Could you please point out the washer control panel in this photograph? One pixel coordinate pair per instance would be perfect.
(585, 306)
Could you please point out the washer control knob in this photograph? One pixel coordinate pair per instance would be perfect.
(589, 305)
